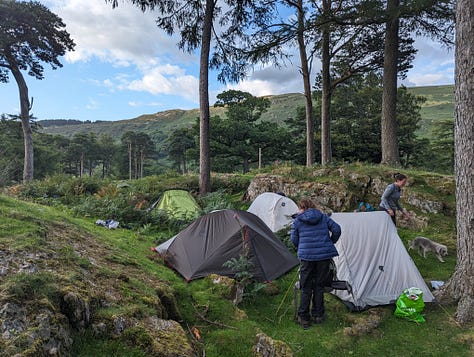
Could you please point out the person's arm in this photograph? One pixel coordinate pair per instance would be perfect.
(335, 230)
(294, 235)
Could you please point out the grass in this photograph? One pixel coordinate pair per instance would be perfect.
(438, 106)
(121, 265)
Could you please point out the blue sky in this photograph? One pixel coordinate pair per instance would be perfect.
(124, 66)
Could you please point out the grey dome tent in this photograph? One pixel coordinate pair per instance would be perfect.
(213, 239)
(274, 209)
(374, 261)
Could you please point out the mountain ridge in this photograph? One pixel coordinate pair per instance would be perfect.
(439, 105)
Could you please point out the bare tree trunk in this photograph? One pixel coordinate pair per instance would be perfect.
(184, 165)
(142, 160)
(136, 163)
(390, 153)
(326, 151)
(460, 286)
(81, 165)
(28, 163)
(130, 160)
(245, 165)
(307, 87)
(204, 114)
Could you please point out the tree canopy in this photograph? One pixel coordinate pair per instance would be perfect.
(30, 35)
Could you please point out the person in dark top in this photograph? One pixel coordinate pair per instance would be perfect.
(313, 234)
(391, 196)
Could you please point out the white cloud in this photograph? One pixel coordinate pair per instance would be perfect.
(128, 39)
(125, 51)
(429, 79)
(433, 65)
(122, 36)
(142, 104)
(167, 79)
(92, 104)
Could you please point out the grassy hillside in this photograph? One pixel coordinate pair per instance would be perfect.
(160, 124)
(439, 105)
(47, 253)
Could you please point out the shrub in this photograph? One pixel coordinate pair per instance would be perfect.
(215, 201)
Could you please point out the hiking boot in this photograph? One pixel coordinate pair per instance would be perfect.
(318, 319)
(304, 323)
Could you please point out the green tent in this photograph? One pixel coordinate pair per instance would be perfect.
(179, 204)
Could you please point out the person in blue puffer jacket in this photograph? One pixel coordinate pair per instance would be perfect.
(313, 233)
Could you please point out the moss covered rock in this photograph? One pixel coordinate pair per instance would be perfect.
(265, 346)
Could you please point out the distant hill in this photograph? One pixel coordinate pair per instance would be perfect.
(439, 105)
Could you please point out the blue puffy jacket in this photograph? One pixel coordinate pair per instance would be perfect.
(313, 233)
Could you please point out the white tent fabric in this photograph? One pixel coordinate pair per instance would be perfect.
(163, 247)
(274, 209)
(374, 261)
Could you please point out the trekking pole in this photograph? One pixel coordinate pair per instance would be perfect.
(286, 293)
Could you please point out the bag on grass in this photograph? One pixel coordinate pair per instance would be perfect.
(410, 305)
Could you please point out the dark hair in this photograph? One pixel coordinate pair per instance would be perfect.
(306, 203)
(399, 177)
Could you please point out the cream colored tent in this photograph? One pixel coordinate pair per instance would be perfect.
(374, 261)
(274, 209)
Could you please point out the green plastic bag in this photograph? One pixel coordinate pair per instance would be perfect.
(410, 305)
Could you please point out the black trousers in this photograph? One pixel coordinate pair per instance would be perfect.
(313, 277)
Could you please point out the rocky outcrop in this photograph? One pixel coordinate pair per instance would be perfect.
(47, 298)
(45, 333)
(168, 338)
(340, 190)
(265, 346)
(76, 309)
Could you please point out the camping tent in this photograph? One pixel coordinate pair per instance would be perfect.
(213, 239)
(374, 261)
(274, 209)
(179, 204)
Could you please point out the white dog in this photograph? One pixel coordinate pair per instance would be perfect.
(424, 245)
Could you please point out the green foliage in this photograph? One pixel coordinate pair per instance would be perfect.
(237, 138)
(86, 345)
(32, 286)
(11, 150)
(284, 236)
(31, 34)
(442, 146)
(62, 188)
(124, 265)
(231, 183)
(216, 200)
(178, 142)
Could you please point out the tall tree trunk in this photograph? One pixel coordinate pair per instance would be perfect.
(460, 286)
(130, 160)
(245, 165)
(81, 165)
(136, 163)
(142, 160)
(204, 114)
(25, 123)
(326, 151)
(390, 154)
(307, 87)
